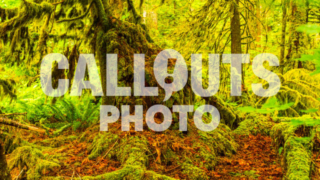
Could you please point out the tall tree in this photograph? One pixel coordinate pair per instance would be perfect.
(236, 42)
(283, 34)
(235, 29)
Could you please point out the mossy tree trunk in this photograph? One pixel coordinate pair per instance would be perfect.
(4, 172)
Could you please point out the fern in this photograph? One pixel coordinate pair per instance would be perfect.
(270, 106)
(75, 113)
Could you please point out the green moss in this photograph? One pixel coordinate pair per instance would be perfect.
(212, 144)
(34, 160)
(193, 172)
(221, 140)
(100, 144)
(281, 132)
(151, 175)
(297, 153)
(259, 125)
(132, 154)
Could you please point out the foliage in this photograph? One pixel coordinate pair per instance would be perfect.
(78, 113)
(271, 106)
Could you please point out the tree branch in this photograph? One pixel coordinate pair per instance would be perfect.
(10, 122)
(11, 114)
(76, 18)
(58, 3)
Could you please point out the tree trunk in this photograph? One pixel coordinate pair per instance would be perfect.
(283, 35)
(235, 30)
(4, 172)
(259, 26)
(236, 35)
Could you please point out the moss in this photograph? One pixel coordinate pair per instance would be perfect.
(297, 153)
(259, 125)
(212, 144)
(281, 132)
(34, 160)
(28, 11)
(151, 175)
(132, 154)
(221, 140)
(193, 172)
(100, 144)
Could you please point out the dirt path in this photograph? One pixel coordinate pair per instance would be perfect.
(255, 159)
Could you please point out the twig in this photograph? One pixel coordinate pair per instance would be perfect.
(20, 173)
(79, 175)
(72, 175)
(172, 169)
(58, 3)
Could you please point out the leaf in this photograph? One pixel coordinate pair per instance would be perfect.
(280, 150)
(309, 28)
(247, 109)
(313, 110)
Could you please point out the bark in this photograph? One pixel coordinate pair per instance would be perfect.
(101, 55)
(259, 26)
(283, 35)
(235, 30)
(236, 34)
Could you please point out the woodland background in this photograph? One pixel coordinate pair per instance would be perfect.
(258, 137)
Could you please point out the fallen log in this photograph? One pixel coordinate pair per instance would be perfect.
(13, 123)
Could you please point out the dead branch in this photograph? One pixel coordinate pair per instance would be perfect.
(10, 122)
(58, 3)
(13, 114)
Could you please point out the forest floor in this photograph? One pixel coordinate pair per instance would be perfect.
(254, 159)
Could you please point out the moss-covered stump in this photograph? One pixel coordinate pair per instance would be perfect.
(255, 125)
(297, 154)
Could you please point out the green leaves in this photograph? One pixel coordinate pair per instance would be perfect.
(314, 58)
(270, 106)
(10, 3)
(313, 110)
(309, 28)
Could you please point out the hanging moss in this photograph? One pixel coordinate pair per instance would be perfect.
(7, 88)
(28, 11)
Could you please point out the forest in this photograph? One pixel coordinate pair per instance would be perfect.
(258, 137)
